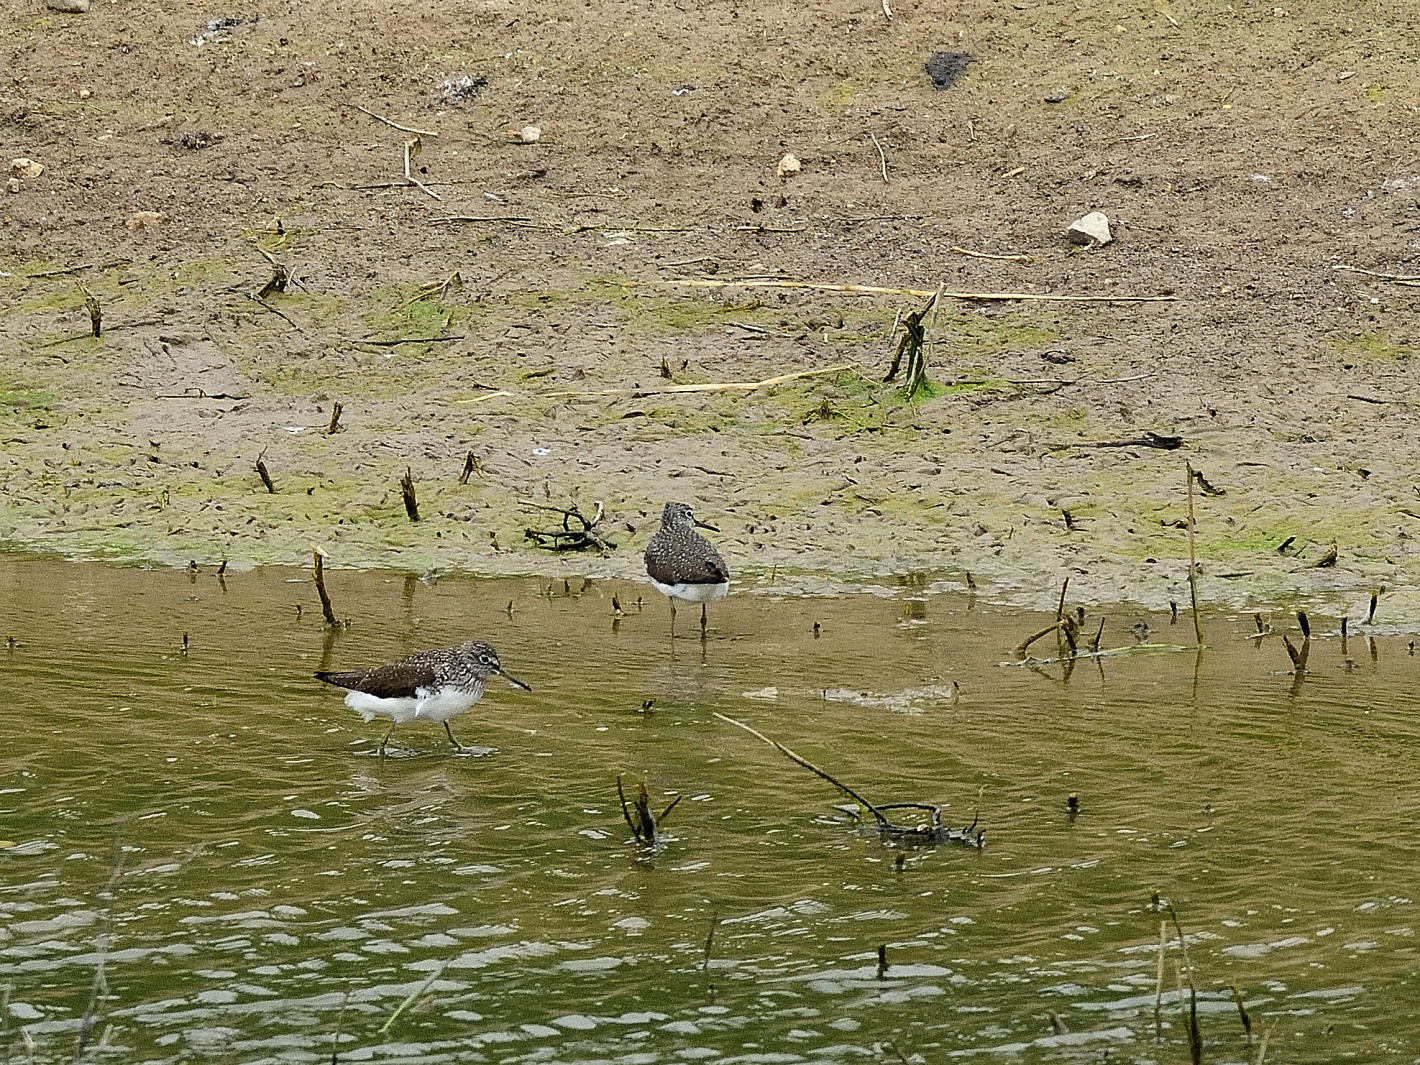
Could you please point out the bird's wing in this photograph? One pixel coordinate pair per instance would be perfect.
(709, 570)
(398, 680)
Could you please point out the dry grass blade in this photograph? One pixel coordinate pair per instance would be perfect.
(1401, 279)
(435, 290)
(989, 255)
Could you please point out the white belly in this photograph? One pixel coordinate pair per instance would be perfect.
(424, 705)
(694, 593)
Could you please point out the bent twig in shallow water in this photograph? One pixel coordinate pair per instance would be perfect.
(930, 834)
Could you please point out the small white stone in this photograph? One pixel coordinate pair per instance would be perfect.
(25, 168)
(1092, 229)
(530, 134)
(13, 185)
(789, 165)
(69, 7)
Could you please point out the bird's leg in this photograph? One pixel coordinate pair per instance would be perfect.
(455, 742)
(672, 617)
(386, 738)
(702, 619)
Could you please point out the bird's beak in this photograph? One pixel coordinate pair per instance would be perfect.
(706, 525)
(514, 680)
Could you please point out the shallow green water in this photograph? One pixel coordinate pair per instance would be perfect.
(280, 884)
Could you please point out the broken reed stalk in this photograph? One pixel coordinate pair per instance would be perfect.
(261, 472)
(412, 147)
(334, 426)
(319, 578)
(1193, 561)
(339, 1022)
(1159, 986)
(1195, 1038)
(913, 345)
(413, 996)
(96, 313)
(1242, 1012)
(406, 489)
(1054, 626)
(882, 159)
(877, 814)
(1262, 1046)
(709, 942)
(646, 825)
(280, 277)
(470, 464)
(98, 992)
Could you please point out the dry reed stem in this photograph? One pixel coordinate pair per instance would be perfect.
(877, 290)
(727, 386)
(1193, 561)
(395, 125)
(989, 255)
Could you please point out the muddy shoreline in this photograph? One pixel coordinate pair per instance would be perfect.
(592, 279)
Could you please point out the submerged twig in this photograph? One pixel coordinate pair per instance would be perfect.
(709, 941)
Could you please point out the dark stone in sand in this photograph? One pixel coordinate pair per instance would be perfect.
(945, 67)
